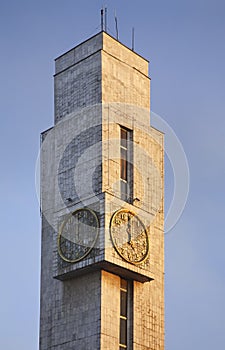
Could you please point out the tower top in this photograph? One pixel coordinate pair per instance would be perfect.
(106, 42)
(100, 70)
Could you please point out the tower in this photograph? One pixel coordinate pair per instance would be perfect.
(102, 268)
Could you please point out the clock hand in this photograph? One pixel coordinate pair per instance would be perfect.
(128, 230)
(131, 243)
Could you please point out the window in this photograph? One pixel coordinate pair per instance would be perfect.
(126, 316)
(126, 166)
(123, 314)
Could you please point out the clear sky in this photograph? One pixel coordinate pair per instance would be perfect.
(185, 43)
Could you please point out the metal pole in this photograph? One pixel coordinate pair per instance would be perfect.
(106, 19)
(133, 39)
(102, 19)
(117, 33)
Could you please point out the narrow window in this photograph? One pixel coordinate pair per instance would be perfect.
(123, 314)
(126, 317)
(126, 167)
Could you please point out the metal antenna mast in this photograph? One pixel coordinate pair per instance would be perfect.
(102, 19)
(117, 33)
(106, 19)
(133, 39)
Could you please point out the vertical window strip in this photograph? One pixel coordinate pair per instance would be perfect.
(123, 313)
(126, 167)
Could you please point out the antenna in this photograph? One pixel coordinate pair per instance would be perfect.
(117, 33)
(133, 39)
(102, 19)
(106, 19)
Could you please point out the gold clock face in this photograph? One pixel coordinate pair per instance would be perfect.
(129, 236)
(77, 235)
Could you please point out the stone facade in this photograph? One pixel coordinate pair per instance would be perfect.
(100, 85)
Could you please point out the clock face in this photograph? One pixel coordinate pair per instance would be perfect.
(77, 235)
(129, 236)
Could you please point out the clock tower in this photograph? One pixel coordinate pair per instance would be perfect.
(102, 178)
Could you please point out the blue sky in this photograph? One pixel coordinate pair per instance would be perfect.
(184, 41)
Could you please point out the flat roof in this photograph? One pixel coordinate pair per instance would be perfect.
(94, 37)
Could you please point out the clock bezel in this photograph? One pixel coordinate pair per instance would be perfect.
(72, 261)
(115, 244)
